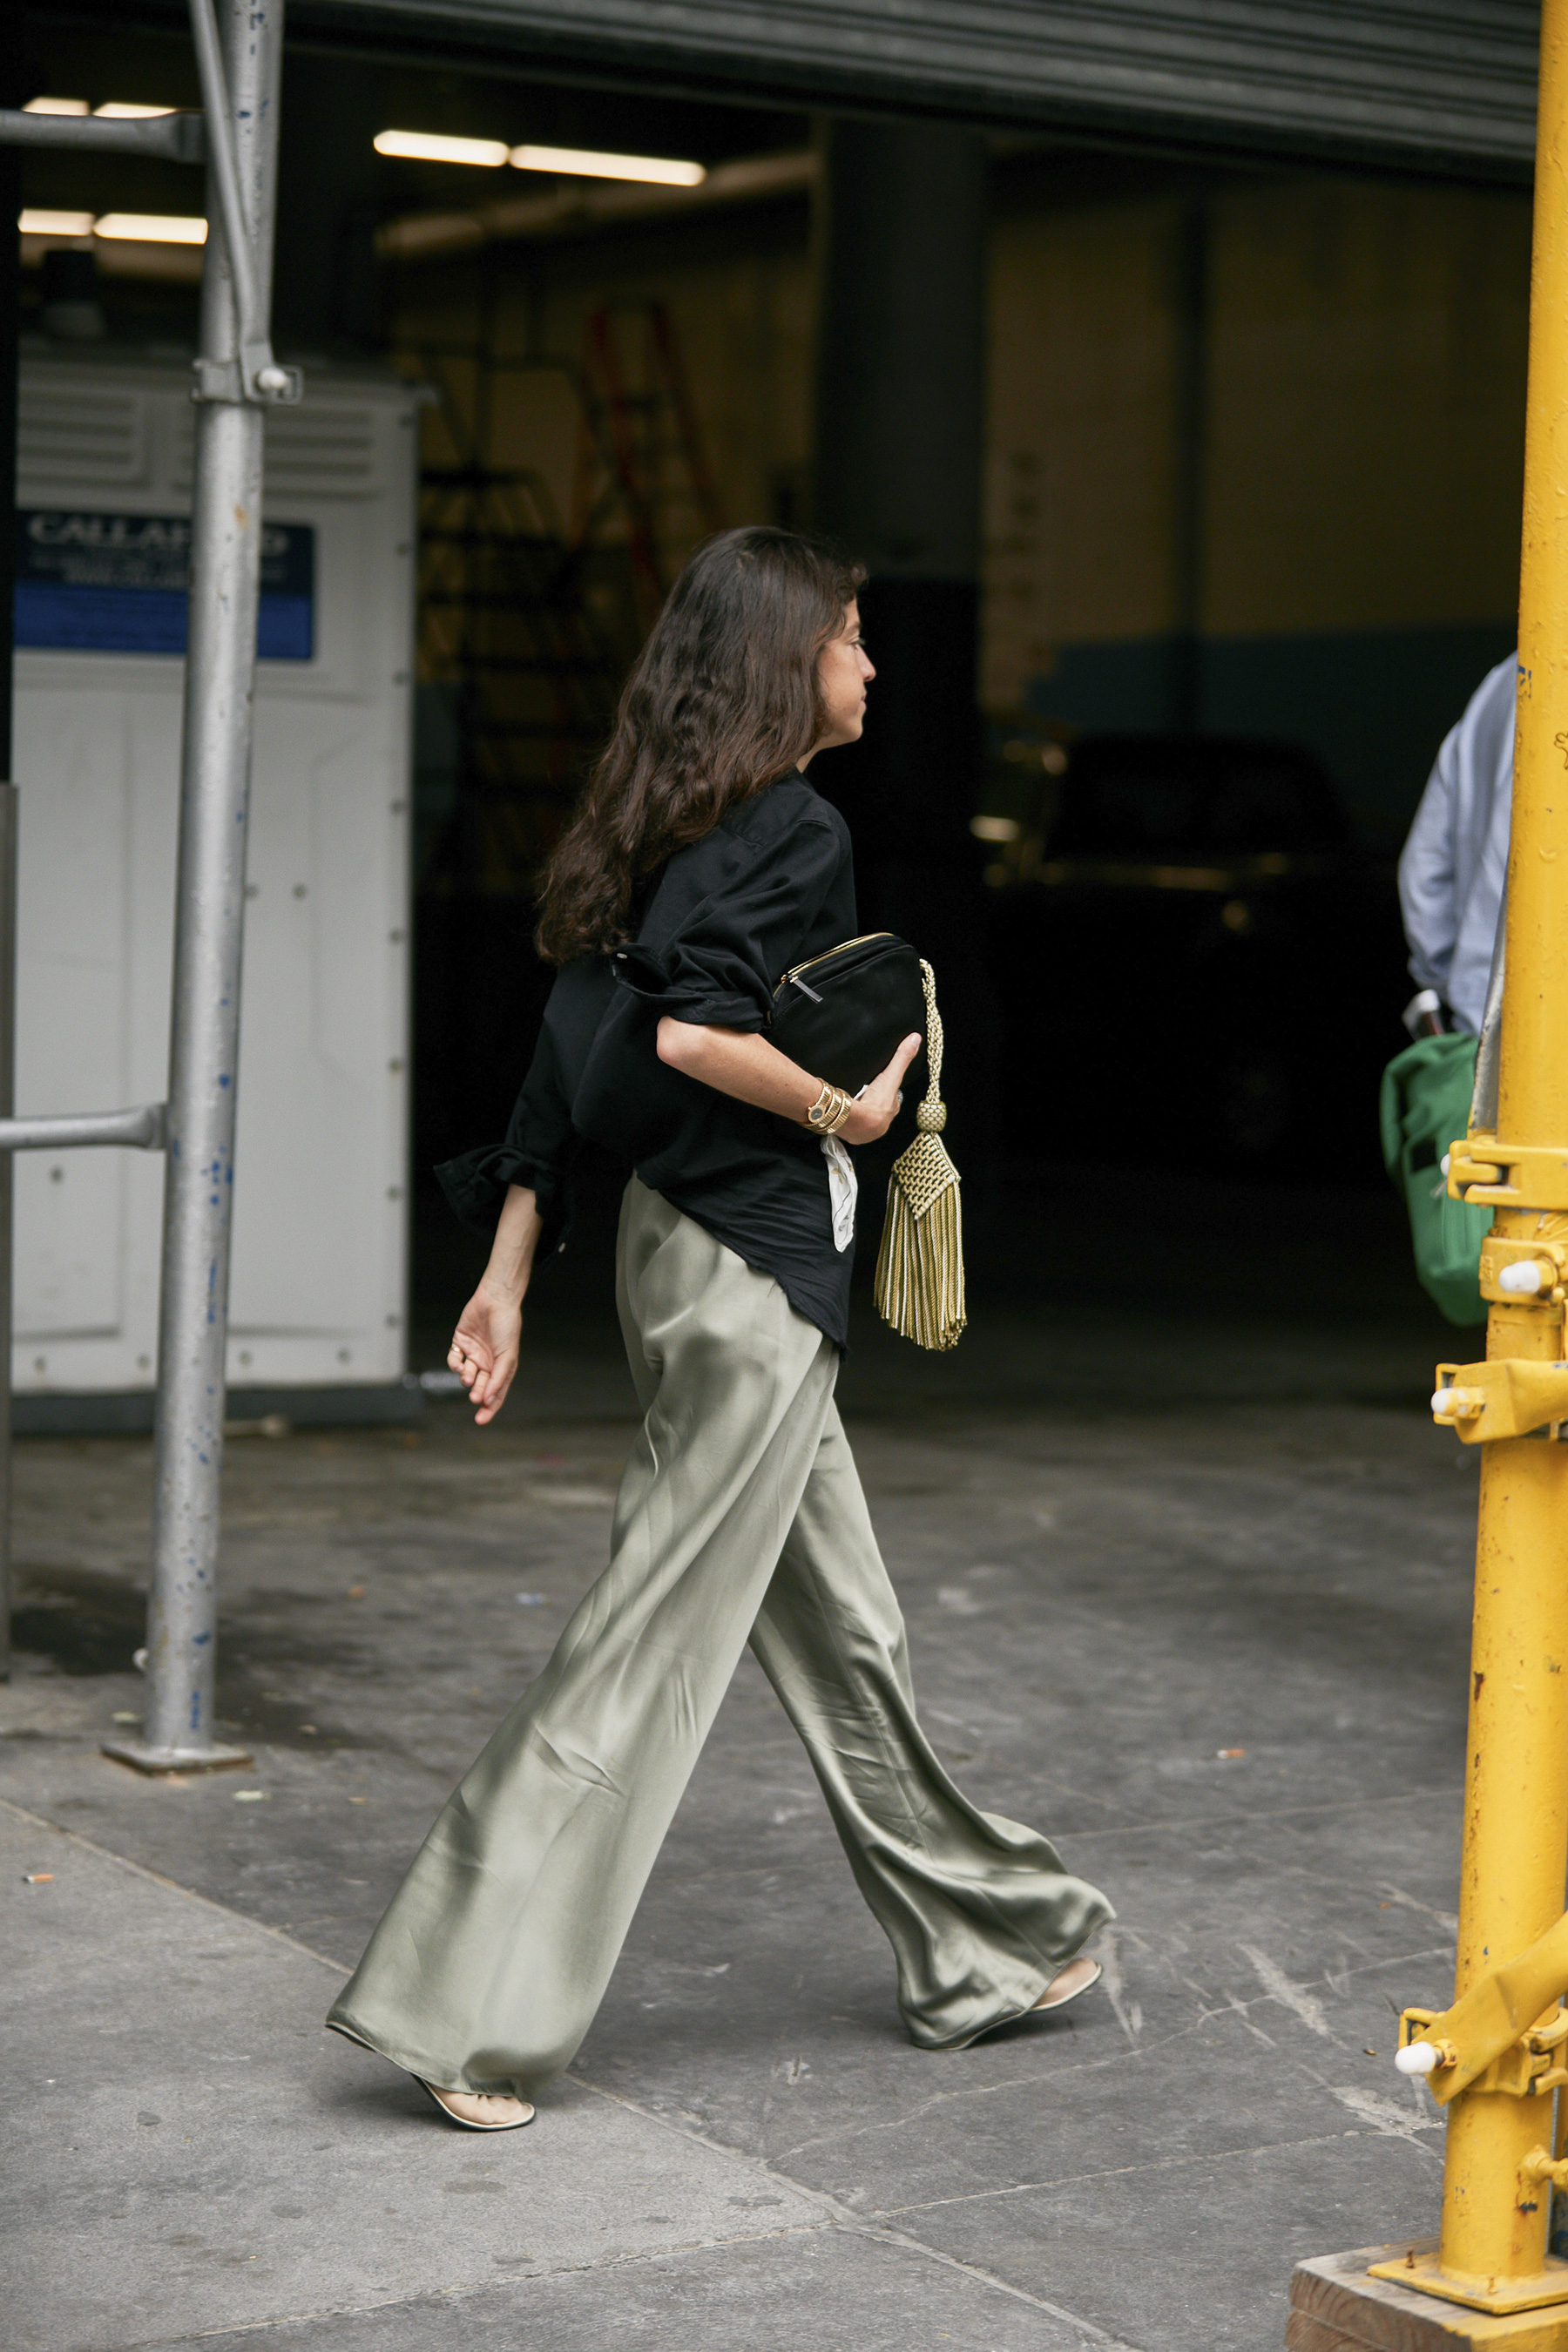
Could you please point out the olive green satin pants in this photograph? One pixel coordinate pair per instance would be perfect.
(739, 1517)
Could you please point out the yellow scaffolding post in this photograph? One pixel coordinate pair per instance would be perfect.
(1494, 2064)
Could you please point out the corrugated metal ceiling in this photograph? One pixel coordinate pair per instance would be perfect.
(1446, 81)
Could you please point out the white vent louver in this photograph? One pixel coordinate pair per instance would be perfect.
(320, 452)
(80, 434)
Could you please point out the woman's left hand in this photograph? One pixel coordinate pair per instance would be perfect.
(873, 1111)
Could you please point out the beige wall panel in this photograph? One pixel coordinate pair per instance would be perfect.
(1363, 406)
(1078, 476)
(1367, 392)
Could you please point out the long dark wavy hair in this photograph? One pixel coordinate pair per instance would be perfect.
(722, 700)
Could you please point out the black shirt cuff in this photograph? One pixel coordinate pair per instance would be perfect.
(687, 992)
(476, 1186)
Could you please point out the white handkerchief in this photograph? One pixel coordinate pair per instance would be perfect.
(843, 1185)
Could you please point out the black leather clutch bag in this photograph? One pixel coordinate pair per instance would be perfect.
(841, 1014)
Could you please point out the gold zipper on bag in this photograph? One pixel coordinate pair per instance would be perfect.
(796, 969)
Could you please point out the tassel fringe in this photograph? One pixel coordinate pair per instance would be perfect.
(920, 1266)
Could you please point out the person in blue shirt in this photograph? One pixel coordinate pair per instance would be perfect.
(1455, 862)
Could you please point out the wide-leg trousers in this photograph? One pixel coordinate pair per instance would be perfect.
(739, 1517)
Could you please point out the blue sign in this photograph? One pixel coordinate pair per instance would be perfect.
(118, 584)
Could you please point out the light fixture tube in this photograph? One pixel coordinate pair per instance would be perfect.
(429, 147)
(150, 229)
(32, 222)
(581, 163)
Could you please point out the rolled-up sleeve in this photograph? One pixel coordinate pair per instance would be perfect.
(537, 1152)
(723, 962)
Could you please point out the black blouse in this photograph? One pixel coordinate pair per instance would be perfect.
(770, 886)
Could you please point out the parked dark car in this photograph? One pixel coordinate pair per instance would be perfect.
(1187, 947)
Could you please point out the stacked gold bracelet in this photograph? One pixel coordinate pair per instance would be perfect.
(829, 1111)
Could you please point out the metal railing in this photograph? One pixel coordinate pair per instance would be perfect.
(178, 138)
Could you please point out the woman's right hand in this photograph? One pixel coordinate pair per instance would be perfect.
(872, 1113)
(486, 1346)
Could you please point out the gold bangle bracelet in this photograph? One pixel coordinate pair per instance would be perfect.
(829, 1111)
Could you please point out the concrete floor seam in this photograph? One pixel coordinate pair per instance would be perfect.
(1196, 1822)
(1156, 2164)
(899, 2240)
(855, 2225)
(1138, 2051)
(1395, 1896)
(891, 2237)
(1015, 2083)
(171, 1886)
(1236, 2006)
(461, 2294)
(1008, 2083)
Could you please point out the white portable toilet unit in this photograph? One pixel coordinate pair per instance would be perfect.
(319, 1289)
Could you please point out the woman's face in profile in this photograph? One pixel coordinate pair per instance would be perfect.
(842, 674)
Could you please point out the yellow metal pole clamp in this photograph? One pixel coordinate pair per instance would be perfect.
(1503, 2034)
(1493, 1175)
(1542, 2165)
(1506, 1396)
(1513, 1271)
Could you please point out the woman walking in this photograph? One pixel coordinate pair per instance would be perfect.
(701, 866)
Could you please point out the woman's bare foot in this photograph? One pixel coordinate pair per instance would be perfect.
(1068, 1982)
(482, 2110)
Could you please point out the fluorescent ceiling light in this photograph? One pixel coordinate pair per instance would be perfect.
(33, 223)
(583, 164)
(57, 106)
(117, 112)
(426, 147)
(150, 229)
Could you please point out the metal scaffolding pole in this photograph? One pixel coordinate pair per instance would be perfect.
(240, 75)
(9, 797)
(10, 302)
(1495, 2058)
(1492, 2251)
(240, 68)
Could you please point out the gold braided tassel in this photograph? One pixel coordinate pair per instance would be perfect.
(920, 1266)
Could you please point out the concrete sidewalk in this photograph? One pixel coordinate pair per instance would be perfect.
(1174, 1629)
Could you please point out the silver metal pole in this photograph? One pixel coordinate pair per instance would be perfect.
(220, 674)
(8, 798)
(178, 137)
(72, 1129)
(250, 279)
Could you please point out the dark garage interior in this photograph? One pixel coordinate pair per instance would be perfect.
(1214, 455)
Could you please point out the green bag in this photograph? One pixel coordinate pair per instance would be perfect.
(1423, 1107)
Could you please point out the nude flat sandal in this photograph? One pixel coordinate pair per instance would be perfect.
(463, 2122)
(1059, 2000)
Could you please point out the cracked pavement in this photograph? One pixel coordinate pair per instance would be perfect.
(1160, 1574)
